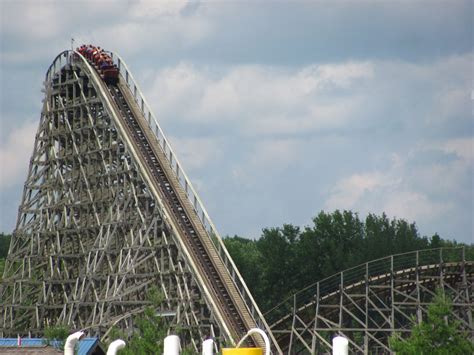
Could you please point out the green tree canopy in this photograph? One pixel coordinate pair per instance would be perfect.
(439, 334)
(56, 335)
(4, 245)
(288, 258)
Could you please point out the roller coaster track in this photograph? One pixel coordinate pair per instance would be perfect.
(224, 291)
(370, 302)
(108, 212)
(235, 315)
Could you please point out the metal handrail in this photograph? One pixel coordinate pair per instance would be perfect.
(184, 180)
(331, 283)
(65, 58)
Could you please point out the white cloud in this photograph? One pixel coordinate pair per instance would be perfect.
(131, 37)
(152, 9)
(414, 187)
(37, 20)
(348, 191)
(37, 29)
(453, 101)
(176, 90)
(387, 192)
(295, 121)
(451, 171)
(351, 125)
(195, 153)
(277, 153)
(441, 89)
(414, 206)
(462, 147)
(260, 99)
(335, 75)
(15, 154)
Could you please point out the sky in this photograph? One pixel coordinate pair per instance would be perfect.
(277, 110)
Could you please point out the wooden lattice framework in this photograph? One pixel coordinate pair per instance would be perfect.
(370, 302)
(92, 237)
(92, 240)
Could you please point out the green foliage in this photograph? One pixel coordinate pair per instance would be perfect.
(286, 259)
(2, 267)
(4, 244)
(149, 331)
(438, 334)
(246, 256)
(149, 334)
(278, 265)
(56, 335)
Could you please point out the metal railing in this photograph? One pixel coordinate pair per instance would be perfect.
(66, 58)
(191, 193)
(371, 271)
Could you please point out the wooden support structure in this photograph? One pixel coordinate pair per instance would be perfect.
(108, 215)
(370, 302)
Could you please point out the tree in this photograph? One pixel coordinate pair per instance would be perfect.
(279, 266)
(248, 260)
(438, 334)
(339, 237)
(286, 259)
(150, 330)
(4, 245)
(333, 242)
(56, 335)
(148, 336)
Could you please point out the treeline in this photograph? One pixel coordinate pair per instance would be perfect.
(286, 259)
(4, 245)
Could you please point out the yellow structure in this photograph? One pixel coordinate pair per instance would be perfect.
(242, 351)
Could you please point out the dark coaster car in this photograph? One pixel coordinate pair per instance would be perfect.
(111, 75)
